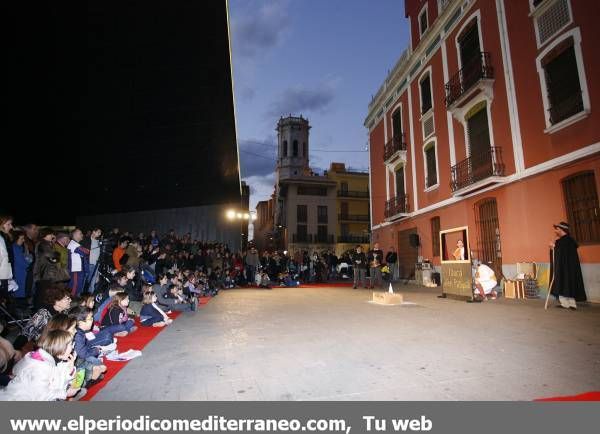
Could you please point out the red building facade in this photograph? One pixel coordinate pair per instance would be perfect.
(486, 121)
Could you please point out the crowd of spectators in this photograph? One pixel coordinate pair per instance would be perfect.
(79, 291)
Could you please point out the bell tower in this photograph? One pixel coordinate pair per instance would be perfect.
(292, 142)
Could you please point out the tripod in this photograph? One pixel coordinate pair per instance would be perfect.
(101, 267)
(10, 318)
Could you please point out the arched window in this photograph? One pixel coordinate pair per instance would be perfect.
(295, 148)
(285, 148)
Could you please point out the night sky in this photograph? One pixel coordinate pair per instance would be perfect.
(118, 106)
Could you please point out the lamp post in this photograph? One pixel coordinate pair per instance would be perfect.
(243, 216)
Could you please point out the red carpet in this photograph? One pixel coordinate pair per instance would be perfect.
(137, 341)
(588, 396)
(326, 285)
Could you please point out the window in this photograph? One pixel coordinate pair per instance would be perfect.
(425, 85)
(312, 191)
(301, 213)
(301, 235)
(562, 82)
(550, 20)
(430, 165)
(581, 204)
(295, 148)
(285, 148)
(400, 188)
(322, 233)
(322, 214)
(344, 187)
(423, 22)
(396, 124)
(344, 210)
(304, 150)
(345, 229)
(435, 236)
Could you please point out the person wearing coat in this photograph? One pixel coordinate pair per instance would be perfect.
(46, 373)
(22, 263)
(566, 278)
(6, 254)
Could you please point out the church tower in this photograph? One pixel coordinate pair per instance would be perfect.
(292, 141)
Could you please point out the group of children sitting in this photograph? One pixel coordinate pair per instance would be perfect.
(68, 355)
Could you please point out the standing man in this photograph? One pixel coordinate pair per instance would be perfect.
(566, 279)
(392, 261)
(375, 259)
(92, 243)
(78, 262)
(359, 265)
(252, 260)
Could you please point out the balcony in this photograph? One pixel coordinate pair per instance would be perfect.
(395, 149)
(354, 217)
(477, 171)
(396, 206)
(354, 239)
(301, 238)
(322, 239)
(477, 73)
(353, 194)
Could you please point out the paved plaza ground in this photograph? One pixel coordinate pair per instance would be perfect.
(331, 344)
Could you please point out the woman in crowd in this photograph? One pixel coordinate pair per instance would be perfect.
(151, 314)
(22, 261)
(56, 300)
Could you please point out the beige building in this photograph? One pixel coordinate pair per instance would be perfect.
(305, 213)
(352, 207)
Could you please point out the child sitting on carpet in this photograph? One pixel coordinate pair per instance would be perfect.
(117, 315)
(151, 314)
(89, 346)
(46, 373)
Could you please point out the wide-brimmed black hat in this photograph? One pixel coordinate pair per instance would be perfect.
(562, 225)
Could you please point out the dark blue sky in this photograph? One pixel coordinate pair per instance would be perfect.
(319, 58)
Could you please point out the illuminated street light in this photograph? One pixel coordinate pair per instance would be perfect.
(230, 214)
(246, 216)
(239, 215)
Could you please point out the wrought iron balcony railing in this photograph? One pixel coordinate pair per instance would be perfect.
(301, 238)
(351, 193)
(323, 239)
(354, 239)
(394, 145)
(354, 217)
(396, 205)
(477, 68)
(476, 168)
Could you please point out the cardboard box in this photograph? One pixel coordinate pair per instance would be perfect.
(387, 298)
(514, 289)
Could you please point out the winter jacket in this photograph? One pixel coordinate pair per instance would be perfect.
(5, 262)
(39, 378)
(83, 347)
(20, 268)
(150, 315)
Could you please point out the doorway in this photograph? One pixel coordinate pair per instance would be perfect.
(407, 254)
(488, 234)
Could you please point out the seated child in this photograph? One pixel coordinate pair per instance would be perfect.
(118, 316)
(151, 314)
(46, 373)
(89, 350)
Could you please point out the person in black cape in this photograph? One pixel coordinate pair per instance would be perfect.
(565, 273)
